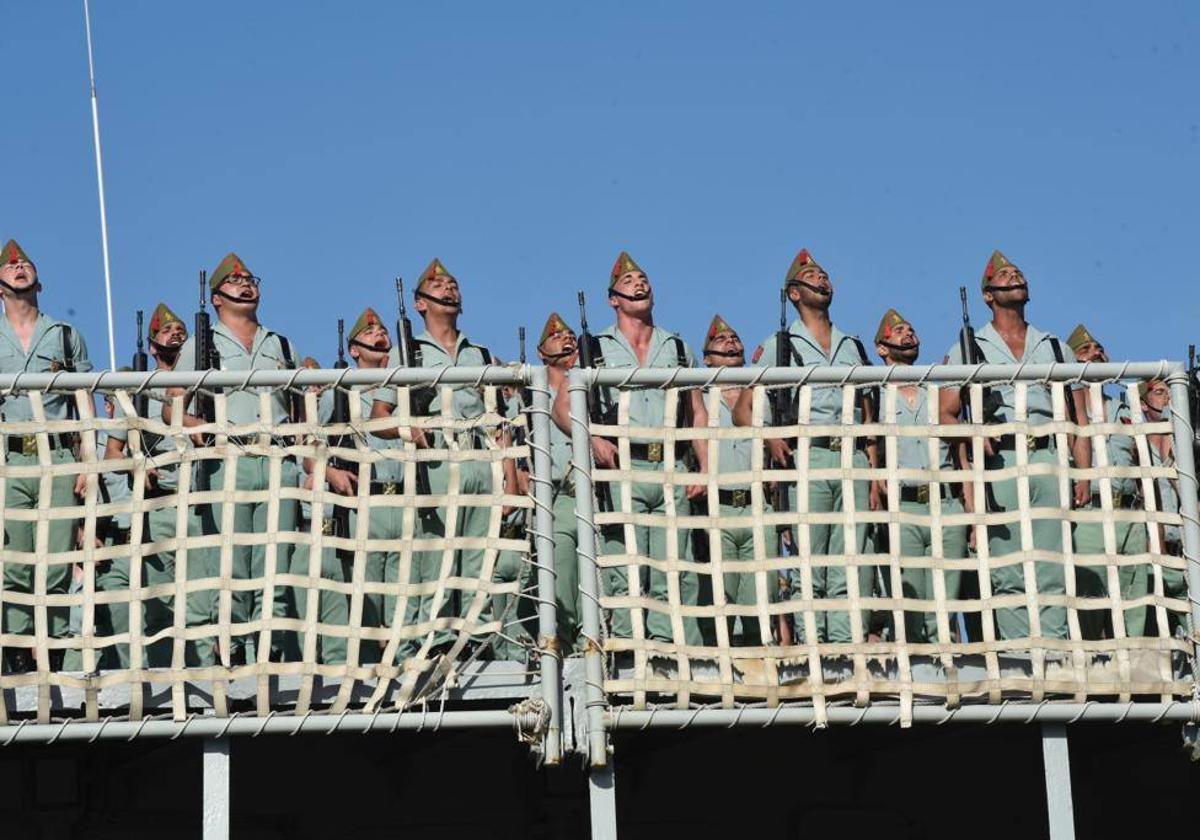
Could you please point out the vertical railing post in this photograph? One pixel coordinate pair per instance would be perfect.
(1056, 760)
(216, 789)
(1185, 464)
(543, 532)
(581, 460)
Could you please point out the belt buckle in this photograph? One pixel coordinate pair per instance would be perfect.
(923, 493)
(835, 443)
(389, 488)
(328, 526)
(1030, 443)
(28, 444)
(654, 452)
(741, 498)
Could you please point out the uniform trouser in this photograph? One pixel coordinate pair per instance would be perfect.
(1013, 622)
(826, 496)
(333, 608)
(652, 543)
(566, 575)
(24, 494)
(917, 541)
(517, 616)
(432, 566)
(249, 562)
(741, 588)
(157, 568)
(1092, 581)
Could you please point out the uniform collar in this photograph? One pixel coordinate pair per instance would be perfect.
(41, 326)
(260, 336)
(836, 337)
(1033, 337)
(426, 338)
(657, 337)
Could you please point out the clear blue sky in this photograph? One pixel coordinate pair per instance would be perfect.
(337, 145)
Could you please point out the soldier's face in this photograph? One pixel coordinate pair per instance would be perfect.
(1158, 397)
(171, 335)
(635, 285)
(812, 288)
(559, 349)
(725, 343)
(20, 275)
(903, 345)
(378, 342)
(1009, 287)
(441, 286)
(1093, 351)
(239, 291)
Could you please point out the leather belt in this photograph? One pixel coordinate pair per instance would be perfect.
(1033, 444)
(385, 488)
(920, 493)
(1123, 501)
(650, 452)
(27, 444)
(734, 498)
(833, 444)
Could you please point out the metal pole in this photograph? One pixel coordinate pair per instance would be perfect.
(889, 715)
(602, 793)
(581, 460)
(216, 789)
(1185, 464)
(112, 345)
(543, 507)
(1060, 810)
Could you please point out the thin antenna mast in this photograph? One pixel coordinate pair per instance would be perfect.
(112, 344)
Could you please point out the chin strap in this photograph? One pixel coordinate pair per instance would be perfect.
(624, 296)
(443, 301)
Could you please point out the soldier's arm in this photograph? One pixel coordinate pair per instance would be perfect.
(560, 412)
(949, 410)
(699, 421)
(1081, 447)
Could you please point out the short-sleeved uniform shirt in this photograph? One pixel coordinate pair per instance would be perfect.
(808, 352)
(647, 406)
(168, 474)
(383, 470)
(468, 400)
(266, 353)
(1039, 349)
(1120, 447)
(735, 454)
(913, 452)
(45, 355)
(116, 488)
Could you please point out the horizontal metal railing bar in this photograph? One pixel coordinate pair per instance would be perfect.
(877, 374)
(211, 727)
(650, 377)
(1174, 712)
(301, 378)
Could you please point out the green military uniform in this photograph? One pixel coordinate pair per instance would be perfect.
(1174, 580)
(1131, 537)
(912, 453)
(647, 407)
(736, 455)
(55, 345)
(269, 351)
(475, 478)
(824, 495)
(1040, 348)
(517, 614)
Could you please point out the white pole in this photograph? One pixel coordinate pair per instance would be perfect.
(112, 344)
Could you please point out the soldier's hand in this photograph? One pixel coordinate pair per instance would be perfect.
(780, 449)
(1083, 493)
(696, 491)
(604, 453)
(342, 482)
(81, 485)
(420, 438)
(877, 495)
(151, 478)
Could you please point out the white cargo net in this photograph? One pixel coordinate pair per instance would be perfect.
(1054, 603)
(221, 576)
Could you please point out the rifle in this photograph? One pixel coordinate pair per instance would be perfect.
(341, 415)
(600, 407)
(206, 355)
(141, 363)
(1193, 372)
(419, 399)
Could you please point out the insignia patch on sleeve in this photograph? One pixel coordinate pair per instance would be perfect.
(757, 354)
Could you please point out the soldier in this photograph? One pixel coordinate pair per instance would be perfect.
(32, 342)
(723, 348)
(1009, 339)
(815, 340)
(897, 343)
(558, 348)
(241, 343)
(369, 343)
(1131, 538)
(1156, 403)
(166, 334)
(636, 341)
(438, 299)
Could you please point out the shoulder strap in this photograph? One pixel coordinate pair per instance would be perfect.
(793, 352)
(1057, 348)
(597, 353)
(862, 351)
(680, 352)
(285, 347)
(68, 352)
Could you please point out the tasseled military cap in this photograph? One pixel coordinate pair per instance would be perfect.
(891, 319)
(434, 269)
(162, 317)
(368, 318)
(719, 325)
(14, 253)
(232, 264)
(803, 260)
(623, 265)
(996, 262)
(1079, 337)
(554, 324)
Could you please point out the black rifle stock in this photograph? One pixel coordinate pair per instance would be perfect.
(419, 399)
(600, 408)
(340, 415)
(206, 356)
(782, 401)
(141, 364)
